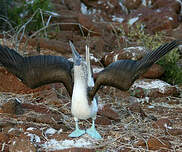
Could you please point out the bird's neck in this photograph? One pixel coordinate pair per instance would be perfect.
(80, 90)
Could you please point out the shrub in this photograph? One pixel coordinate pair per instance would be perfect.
(23, 11)
(4, 6)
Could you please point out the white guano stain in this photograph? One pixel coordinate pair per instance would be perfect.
(133, 20)
(117, 19)
(53, 144)
(50, 131)
(155, 84)
(30, 129)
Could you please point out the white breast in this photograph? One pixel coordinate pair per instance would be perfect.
(80, 107)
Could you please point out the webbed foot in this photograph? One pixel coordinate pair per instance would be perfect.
(77, 133)
(93, 133)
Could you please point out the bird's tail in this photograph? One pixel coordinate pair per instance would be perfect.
(89, 69)
(154, 56)
(11, 60)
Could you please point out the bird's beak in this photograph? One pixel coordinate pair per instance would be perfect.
(76, 56)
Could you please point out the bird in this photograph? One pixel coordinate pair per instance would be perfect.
(35, 71)
(81, 107)
(77, 77)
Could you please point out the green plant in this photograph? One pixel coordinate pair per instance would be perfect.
(173, 74)
(4, 6)
(23, 12)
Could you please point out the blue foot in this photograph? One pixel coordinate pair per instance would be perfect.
(93, 133)
(77, 133)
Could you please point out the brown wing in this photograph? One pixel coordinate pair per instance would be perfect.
(35, 71)
(122, 73)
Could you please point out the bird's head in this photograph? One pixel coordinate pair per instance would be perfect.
(77, 59)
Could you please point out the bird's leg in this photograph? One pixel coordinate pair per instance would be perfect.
(92, 130)
(77, 132)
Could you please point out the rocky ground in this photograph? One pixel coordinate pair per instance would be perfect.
(145, 118)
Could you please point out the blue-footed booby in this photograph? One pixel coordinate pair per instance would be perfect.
(35, 71)
(81, 108)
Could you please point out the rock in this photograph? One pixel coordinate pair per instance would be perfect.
(51, 119)
(9, 107)
(130, 53)
(133, 100)
(6, 125)
(77, 150)
(102, 120)
(152, 88)
(32, 130)
(59, 136)
(21, 143)
(107, 111)
(86, 21)
(123, 149)
(10, 83)
(73, 5)
(69, 20)
(58, 6)
(170, 4)
(157, 144)
(154, 72)
(163, 123)
(140, 143)
(176, 33)
(180, 18)
(148, 3)
(12, 107)
(51, 98)
(133, 53)
(168, 100)
(103, 10)
(136, 108)
(4, 137)
(37, 108)
(132, 4)
(101, 44)
(42, 118)
(169, 21)
(54, 45)
(151, 18)
(64, 36)
(152, 117)
(13, 132)
(175, 132)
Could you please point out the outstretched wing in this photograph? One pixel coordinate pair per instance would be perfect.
(122, 73)
(35, 71)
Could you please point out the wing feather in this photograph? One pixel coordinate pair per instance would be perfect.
(35, 71)
(122, 73)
